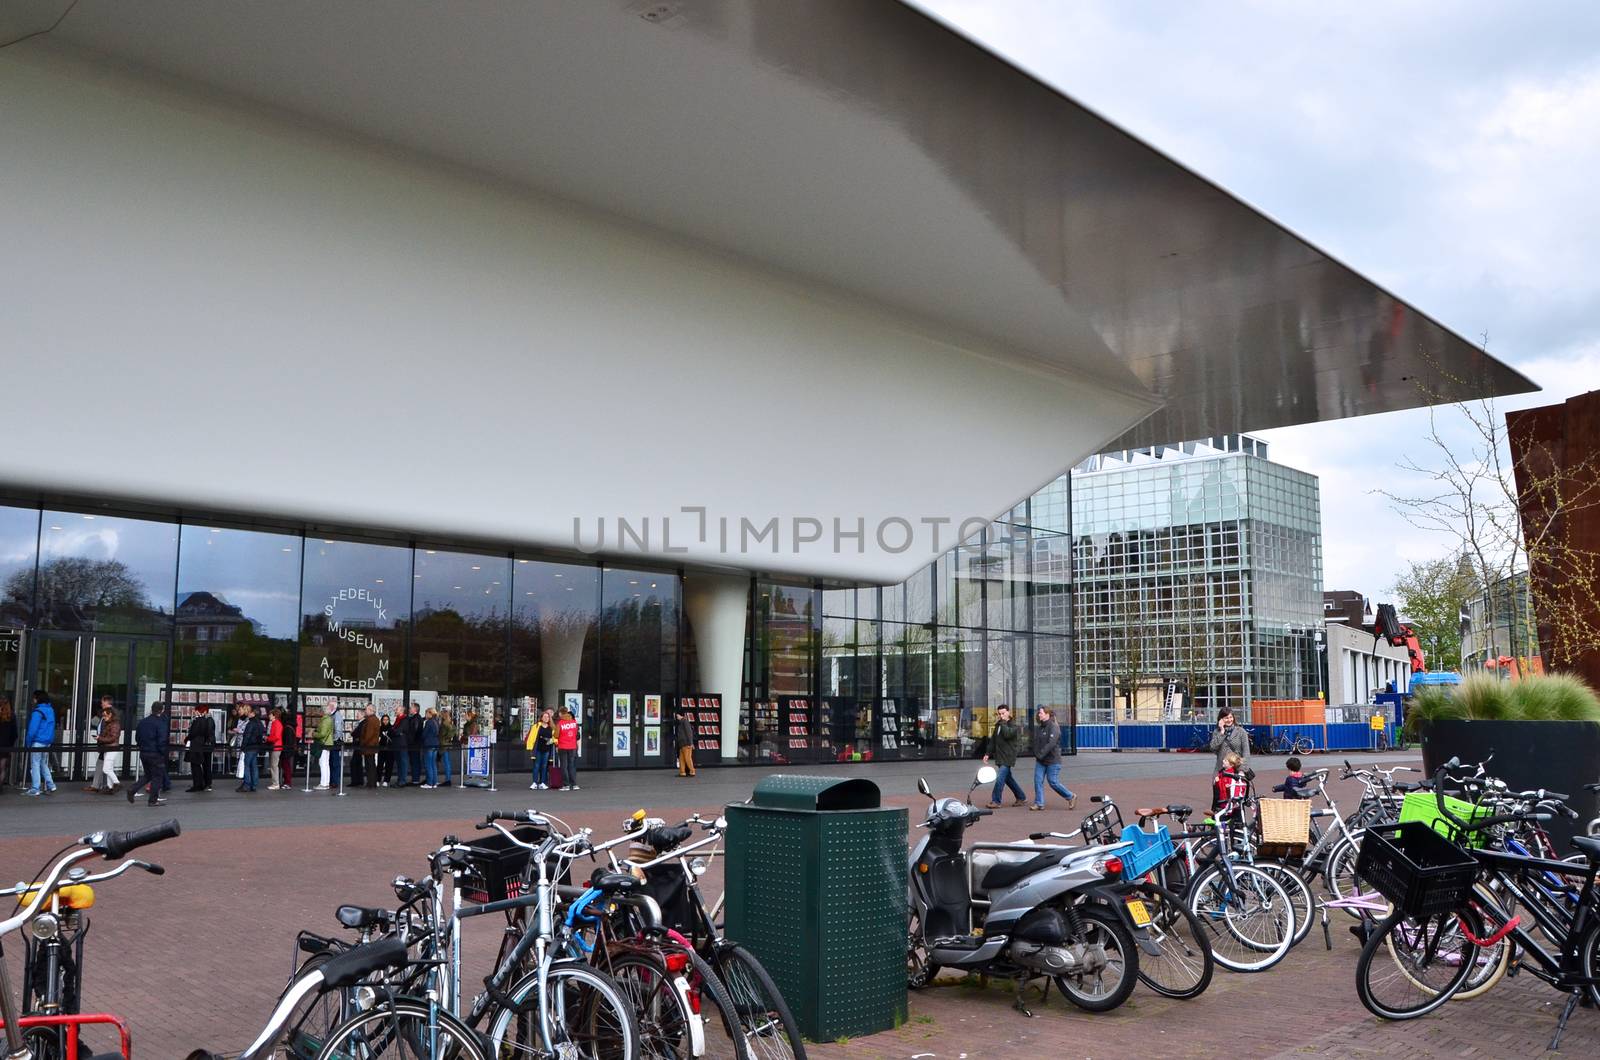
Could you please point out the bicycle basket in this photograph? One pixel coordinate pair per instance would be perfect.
(1103, 825)
(1423, 808)
(1285, 826)
(498, 868)
(1149, 850)
(1416, 868)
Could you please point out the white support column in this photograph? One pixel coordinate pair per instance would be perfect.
(561, 639)
(716, 606)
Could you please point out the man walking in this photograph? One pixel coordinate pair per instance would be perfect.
(1004, 744)
(201, 741)
(683, 730)
(1047, 760)
(153, 738)
(364, 771)
(40, 735)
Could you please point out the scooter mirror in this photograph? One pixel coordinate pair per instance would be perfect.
(986, 774)
(922, 786)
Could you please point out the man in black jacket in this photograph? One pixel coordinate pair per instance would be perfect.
(202, 740)
(683, 733)
(153, 739)
(414, 742)
(1047, 760)
(1004, 744)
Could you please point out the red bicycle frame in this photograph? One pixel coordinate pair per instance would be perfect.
(73, 1025)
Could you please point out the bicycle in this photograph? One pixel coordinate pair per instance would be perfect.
(1284, 744)
(1440, 913)
(1247, 916)
(765, 1023)
(56, 1035)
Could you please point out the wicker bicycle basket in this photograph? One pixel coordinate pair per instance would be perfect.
(1285, 825)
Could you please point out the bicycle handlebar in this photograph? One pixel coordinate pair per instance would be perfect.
(113, 845)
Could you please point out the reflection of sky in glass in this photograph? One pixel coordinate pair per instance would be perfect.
(474, 587)
(19, 541)
(383, 571)
(147, 549)
(257, 572)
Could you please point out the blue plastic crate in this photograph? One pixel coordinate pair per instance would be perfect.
(1148, 850)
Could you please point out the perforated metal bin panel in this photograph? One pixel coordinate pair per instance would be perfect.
(820, 898)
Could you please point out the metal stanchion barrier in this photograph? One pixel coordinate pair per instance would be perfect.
(306, 740)
(339, 764)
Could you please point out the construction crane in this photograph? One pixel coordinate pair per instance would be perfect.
(1388, 627)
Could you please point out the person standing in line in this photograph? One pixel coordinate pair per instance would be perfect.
(542, 744)
(400, 749)
(274, 747)
(430, 750)
(414, 743)
(447, 742)
(385, 751)
(567, 749)
(41, 734)
(1004, 745)
(1229, 738)
(683, 732)
(8, 739)
(106, 739)
(1047, 760)
(368, 734)
(201, 741)
(252, 738)
(322, 747)
(153, 736)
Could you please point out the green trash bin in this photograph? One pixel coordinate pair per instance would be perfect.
(816, 889)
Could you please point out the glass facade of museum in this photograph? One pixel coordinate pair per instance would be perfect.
(1197, 574)
(216, 614)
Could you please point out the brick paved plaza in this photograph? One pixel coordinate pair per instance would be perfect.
(197, 956)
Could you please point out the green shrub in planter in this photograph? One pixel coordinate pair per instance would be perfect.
(1484, 697)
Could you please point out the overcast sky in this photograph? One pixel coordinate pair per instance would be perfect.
(1449, 151)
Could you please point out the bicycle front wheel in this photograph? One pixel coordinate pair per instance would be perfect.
(1305, 903)
(1247, 916)
(403, 1029)
(1184, 967)
(587, 1015)
(766, 1025)
(1410, 967)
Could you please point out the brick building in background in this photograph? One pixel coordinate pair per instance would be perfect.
(1558, 444)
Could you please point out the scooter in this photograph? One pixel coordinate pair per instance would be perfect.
(1035, 912)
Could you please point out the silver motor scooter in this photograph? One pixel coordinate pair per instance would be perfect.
(1043, 911)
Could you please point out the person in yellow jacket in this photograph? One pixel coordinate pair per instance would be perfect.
(541, 743)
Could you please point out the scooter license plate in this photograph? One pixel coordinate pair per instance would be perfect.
(1140, 914)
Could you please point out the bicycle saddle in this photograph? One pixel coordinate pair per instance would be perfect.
(1589, 845)
(662, 839)
(613, 883)
(360, 916)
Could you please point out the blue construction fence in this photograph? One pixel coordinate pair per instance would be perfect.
(1189, 737)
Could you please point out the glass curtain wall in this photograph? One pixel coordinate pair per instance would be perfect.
(461, 603)
(555, 644)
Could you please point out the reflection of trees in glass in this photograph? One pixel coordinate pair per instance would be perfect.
(637, 636)
(475, 646)
(74, 588)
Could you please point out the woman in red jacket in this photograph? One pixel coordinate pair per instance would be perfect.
(567, 750)
(274, 747)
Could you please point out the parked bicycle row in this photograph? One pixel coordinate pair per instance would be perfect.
(631, 962)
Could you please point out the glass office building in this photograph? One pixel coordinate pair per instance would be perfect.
(217, 614)
(1197, 576)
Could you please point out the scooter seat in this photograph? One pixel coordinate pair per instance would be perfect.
(1589, 845)
(1006, 873)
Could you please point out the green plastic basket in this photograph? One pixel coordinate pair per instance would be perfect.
(1423, 807)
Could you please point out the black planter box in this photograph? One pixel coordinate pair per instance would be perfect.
(1555, 755)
